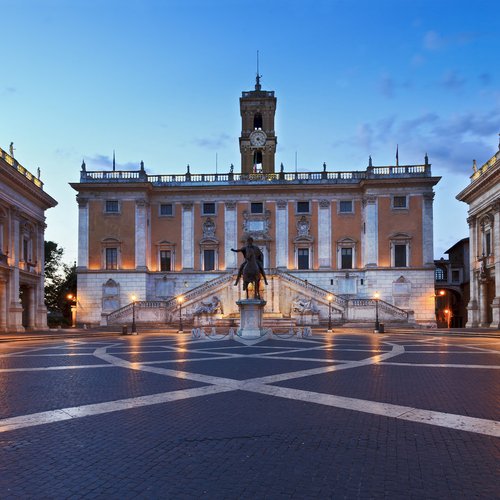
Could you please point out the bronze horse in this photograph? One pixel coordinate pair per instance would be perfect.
(251, 271)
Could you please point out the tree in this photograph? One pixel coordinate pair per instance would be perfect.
(60, 280)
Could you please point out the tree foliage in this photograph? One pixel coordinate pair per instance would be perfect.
(60, 280)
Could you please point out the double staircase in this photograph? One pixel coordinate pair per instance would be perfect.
(347, 311)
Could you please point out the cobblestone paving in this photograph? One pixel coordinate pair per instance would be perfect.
(338, 416)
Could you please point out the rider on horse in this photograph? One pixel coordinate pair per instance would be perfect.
(258, 255)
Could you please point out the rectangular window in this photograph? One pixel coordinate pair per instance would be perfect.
(455, 275)
(26, 256)
(303, 258)
(209, 208)
(209, 260)
(302, 207)
(399, 202)
(257, 208)
(111, 258)
(166, 209)
(112, 207)
(346, 258)
(400, 256)
(165, 260)
(487, 243)
(345, 207)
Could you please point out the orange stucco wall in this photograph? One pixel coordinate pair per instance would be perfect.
(165, 228)
(346, 226)
(119, 226)
(391, 222)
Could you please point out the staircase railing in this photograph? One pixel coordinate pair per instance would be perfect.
(199, 290)
(383, 306)
(318, 292)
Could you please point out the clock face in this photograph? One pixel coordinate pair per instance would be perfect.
(258, 138)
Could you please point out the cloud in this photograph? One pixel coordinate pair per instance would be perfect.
(101, 162)
(214, 142)
(433, 41)
(8, 90)
(451, 141)
(452, 80)
(485, 79)
(386, 86)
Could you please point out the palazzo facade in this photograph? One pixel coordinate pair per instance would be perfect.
(483, 197)
(22, 225)
(344, 235)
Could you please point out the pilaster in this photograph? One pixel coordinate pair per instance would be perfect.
(282, 234)
(141, 233)
(369, 235)
(187, 250)
(427, 230)
(324, 234)
(83, 232)
(230, 234)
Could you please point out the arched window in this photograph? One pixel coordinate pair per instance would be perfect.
(257, 121)
(257, 161)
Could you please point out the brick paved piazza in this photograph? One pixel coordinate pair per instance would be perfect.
(345, 416)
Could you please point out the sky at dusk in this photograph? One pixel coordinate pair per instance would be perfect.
(159, 81)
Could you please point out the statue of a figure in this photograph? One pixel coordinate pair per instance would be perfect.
(231, 169)
(255, 250)
(38, 173)
(302, 305)
(11, 149)
(474, 166)
(84, 167)
(212, 307)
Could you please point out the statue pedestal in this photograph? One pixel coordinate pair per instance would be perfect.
(251, 313)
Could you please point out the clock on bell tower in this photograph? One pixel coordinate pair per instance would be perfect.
(258, 139)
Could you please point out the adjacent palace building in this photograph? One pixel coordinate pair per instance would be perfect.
(483, 197)
(340, 244)
(22, 225)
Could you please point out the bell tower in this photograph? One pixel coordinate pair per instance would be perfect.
(258, 139)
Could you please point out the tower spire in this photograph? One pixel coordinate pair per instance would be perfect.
(258, 77)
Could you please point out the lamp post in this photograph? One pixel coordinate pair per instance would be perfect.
(376, 296)
(329, 298)
(134, 329)
(72, 299)
(180, 300)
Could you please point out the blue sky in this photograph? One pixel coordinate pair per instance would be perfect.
(159, 81)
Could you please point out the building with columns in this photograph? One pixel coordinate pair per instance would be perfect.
(330, 238)
(22, 224)
(483, 197)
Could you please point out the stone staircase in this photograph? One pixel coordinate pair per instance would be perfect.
(346, 311)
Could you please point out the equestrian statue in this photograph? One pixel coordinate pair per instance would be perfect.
(252, 267)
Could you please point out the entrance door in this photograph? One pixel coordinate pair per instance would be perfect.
(24, 297)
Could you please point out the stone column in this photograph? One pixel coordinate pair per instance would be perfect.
(496, 252)
(83, 232)
(230, 234)
(369, 235)
(427, 230)
(41, 310)
(324, 234)
(187, 246)
(141, 232)
(483, 303)
(473, 305)
(3, 306)
(31, 307)
(15, 308)
(282, 234)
